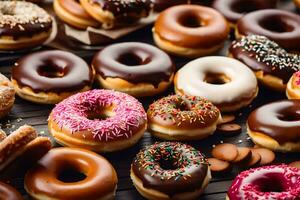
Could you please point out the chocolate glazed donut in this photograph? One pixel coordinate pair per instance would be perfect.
(233, 10)
(280, 26)
(279, 120)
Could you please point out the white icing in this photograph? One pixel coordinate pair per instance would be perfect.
(243, 84)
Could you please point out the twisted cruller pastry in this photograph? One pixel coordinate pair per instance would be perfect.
(7, 96)
(22, 142)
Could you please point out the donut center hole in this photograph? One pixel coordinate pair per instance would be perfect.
(130, 59)
(191, 21)
(244, 6)
(102, 114)
(216, 78)
(290, 117)
(50, 72)
(182, 107)
(71, 175)
(167, 164)
(272, 182)
(275, 24)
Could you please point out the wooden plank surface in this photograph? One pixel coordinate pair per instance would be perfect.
(36, 115)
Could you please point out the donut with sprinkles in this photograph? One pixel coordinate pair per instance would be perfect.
(182, 117)
(272, 65)
(116, 13)
(99, 120)
(23, 25)
(170, 170)
(293, 87)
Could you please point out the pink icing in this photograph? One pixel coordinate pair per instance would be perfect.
(297, 74)
(276, 182)
(73, 112)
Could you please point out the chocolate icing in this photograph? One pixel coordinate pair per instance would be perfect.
(280, 26)
(233, 10)
(279, 120)
(36, 71)
(9, 193)
(125, 9)
(27, 30)
(186, 177)
(134, 62)
(160, 5)
(259, 53)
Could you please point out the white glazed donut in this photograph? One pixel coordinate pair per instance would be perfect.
(226, 82)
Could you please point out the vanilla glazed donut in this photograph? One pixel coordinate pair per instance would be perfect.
(272, 65)
(182, 117)
(276, 126)
(7, 192)
(116, 13)
(99, 120)
(190, 30)
(23, 25)
(170, 170)
(72, 13)
(7, 96)
(266, 183)
(71, 173)
(280, 26)
(293, 86)
(135, 68)
(48, 77)
(212, 77)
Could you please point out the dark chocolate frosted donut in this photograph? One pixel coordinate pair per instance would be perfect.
(136, 64)
(170, 167)
(233, 10)
(52, 71)
(261, 54)
(283, 27)
(278, 120)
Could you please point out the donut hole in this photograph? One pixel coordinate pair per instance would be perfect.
(216, 78)
(244, 6)
(167, 164)
(100, 114)
(131, 59)
(71, 175)
(50, 71)
(190, 21)
(275, 24)
(182, 107)
(289, 117)
(272, 182)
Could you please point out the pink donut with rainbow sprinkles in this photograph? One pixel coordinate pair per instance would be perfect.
(98, 120)
(276, 182)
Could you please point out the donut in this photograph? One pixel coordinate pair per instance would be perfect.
(48, 77)
(276, 126)
(17, 144)
(99, 120)
(184, 117)
(135, 68)
(170, 170)
(7, 96)
(7, 192)
(266, 183)
(190, 30)
(293, 87)
(72, 13)
(160, 5)
(297, 3)
(23, 25)
(280, 26)
(116, 13)
(233, 10)
(273, 66)
(212, 77)
(71, 173)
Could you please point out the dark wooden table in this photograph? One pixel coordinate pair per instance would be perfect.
(36, 115)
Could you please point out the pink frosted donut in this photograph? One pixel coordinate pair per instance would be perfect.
(99, 120)
(279, 182)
